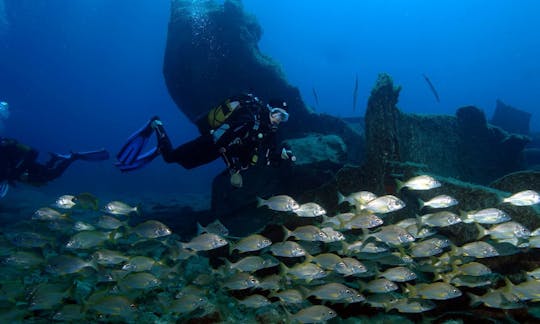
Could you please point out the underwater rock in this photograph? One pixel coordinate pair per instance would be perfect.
(316, 148)
(212, 53)
(532, 158)
(518, 181)
(485, 152)
(465, 147)
(382, 138)
(511, 119)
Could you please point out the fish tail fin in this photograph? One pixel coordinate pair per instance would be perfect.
(325, 219)
(286, 232)
(200, 229)
(283, 269)
(481, 231)
(421, 203)
(399, 185)
(229, 266)
(420, 221)
(475, 300)
(305, 291)
(509, 284)
(309, 257)
(465, 217)
(341, 198)
(454, 250)
(93, 263)
(260, 202)
(410, 290)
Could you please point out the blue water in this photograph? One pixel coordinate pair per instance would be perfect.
(84, 74)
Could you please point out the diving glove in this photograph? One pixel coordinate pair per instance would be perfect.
(287, 154)
(236, 180)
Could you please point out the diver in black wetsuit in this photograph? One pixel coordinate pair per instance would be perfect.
(239, 130)
(18, 162)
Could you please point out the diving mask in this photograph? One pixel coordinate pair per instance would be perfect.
(280, 113)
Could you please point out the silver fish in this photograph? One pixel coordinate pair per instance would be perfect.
(381, 286)
(413, 305)
(398, 274)
(335, 292)
(523, 198)
(240, 280)
(440, 219)
(360, 197)
(314, 314)
(109, 257)
(436, 291)
(187, 304)
(363, 220)
(422, 182)
(309, 209)
(216, 227)
(306, 233)
(249, 264)
(287, 249)
(139, 280)
(332, 235)
(120, 208)
(392, 234)
(279, 203)
(385, 204)
(504, 231)
(253, 242)
(479, 249)
(65, 202)
(441, 201)
(87, 239)
(152, 229)
(139, 264)
(67, 264)
(47, 213)
(255, 301)
(350, 267)
(205, 242)
(306, 271)
(486, 216)
(289, 296)
(109, 222)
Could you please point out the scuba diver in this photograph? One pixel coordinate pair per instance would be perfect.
(238, 130)
(18, 162)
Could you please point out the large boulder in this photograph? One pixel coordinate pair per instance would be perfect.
(212, 53)
(465, 147)
(511, 119)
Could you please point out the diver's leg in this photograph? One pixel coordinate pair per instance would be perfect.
(55, 169)
(197, 152)
(192, 154)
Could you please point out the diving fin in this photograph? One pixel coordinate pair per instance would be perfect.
(98, 155)
(134, 145)
(141, 161)
(4, 187)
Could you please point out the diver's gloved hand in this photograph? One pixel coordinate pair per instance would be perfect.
(287, 154)
(155, 122)
(236, 180)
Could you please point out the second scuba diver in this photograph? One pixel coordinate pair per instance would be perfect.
(239, 130)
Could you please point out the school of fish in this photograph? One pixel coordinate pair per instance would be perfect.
(78, 261)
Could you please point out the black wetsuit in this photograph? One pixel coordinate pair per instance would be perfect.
(18, 162)
(246, 133)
